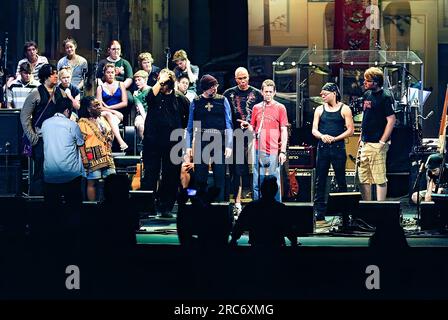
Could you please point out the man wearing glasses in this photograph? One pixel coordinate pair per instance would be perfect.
(242, 99)
(377, 125)
(211, 121)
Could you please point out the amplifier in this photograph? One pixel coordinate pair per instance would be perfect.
(10, 132)
(350, 179)
(305, 179)
(301, 157)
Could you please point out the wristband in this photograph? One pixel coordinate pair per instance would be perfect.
(382, 142)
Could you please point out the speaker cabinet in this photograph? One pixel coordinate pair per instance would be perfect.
(350, 179)
(10, 132)
(398, 159)
(305, 179)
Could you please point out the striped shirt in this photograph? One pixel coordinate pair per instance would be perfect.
(41, 60)
(18, 91)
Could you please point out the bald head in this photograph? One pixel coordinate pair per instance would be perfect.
(242, 78)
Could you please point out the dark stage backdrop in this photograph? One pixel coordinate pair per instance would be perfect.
(219, 37)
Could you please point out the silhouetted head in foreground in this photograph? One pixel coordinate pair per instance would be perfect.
(269, 188)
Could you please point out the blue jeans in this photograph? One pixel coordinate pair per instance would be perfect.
(269, 167)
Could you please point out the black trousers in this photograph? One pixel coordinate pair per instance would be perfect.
(240, 170)
(71, 191)
(327, 154)
(158, 165)
(36, 187)
(219, 172)
(67, 212)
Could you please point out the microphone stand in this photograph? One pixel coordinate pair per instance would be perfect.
(419, 154)
(6, 51)
(168, 56)
(7, 145)
(84, 81)
(97, 61)
(257, 154)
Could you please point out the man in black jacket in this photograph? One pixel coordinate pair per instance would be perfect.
(167, 111)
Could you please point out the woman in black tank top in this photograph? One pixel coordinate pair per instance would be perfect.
(333, 122)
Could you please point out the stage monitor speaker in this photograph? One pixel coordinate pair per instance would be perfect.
(441, 205)
(211, 225)
(10, 177)
(351, 148)
(429, 216)
(375, 213)
(302, 217)
(143, 201)
(345, 204)
(10, 132)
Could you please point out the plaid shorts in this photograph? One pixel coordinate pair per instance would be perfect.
(372, 165)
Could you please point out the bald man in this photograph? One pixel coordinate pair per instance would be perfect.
(242, 98)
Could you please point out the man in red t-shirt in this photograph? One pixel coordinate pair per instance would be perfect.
(269, 123)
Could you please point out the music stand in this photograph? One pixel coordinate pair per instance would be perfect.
(344, 204)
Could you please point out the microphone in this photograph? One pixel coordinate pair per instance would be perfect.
(427, 116)
(168, 52)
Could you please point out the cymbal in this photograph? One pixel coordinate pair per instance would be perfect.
(291, 96)
(317, 99)
(318, 70)
(392, 69)
(291, 71)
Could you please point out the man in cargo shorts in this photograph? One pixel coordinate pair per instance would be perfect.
(377, 125)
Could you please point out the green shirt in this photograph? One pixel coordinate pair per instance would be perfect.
(120, 63)
(140, 96)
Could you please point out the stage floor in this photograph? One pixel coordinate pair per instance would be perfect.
(163, 231)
